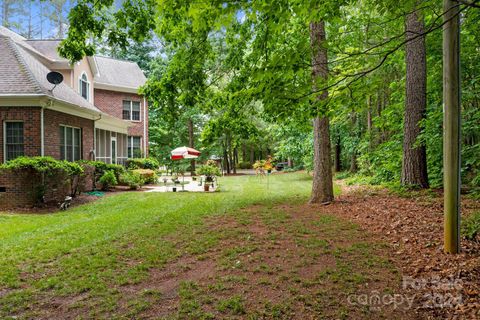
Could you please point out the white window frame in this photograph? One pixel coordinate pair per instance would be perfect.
(130, 142)
(73, 142)
(131, 111)
(80, 80)
(5, 137)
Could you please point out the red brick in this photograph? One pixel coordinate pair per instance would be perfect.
(111, 102)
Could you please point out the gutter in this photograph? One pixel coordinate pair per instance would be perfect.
(16, 95)
(144, 127)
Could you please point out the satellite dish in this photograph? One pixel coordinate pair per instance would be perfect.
(55, 77)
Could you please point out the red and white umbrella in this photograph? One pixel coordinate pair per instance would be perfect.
(184, 153)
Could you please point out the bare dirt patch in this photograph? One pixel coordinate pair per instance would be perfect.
(268, 262)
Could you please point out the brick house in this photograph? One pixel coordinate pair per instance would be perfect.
(96, 113)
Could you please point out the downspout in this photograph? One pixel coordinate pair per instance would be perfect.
(144, 127)
(42, 132)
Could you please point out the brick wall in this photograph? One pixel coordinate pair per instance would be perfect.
(17, 191)
(22, 189)
(111, 102)
(52, 122)
(31, 127)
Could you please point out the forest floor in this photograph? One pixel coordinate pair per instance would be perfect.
(248, 252)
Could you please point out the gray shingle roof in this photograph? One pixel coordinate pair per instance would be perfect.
(20, 40)
(15, 77)
(118, 73)
(21, 73)
(48, 48)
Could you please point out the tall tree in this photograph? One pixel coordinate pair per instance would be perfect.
(322, 188)
(451, 124)
(11, 9)
(57, 15)
(414, 164)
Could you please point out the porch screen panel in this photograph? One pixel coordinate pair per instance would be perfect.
(108, 149)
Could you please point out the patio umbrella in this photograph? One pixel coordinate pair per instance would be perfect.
(184, 153)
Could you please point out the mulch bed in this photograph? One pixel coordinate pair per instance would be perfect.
(445, 285)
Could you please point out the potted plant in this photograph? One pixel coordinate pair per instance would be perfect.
(209, 170)
(268, 165)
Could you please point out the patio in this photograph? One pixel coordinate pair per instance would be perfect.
(189, 185)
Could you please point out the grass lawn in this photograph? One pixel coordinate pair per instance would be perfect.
(116, 258)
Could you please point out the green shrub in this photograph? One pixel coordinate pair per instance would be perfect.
(143, 163)
(245, 165)
(149, 176)
(42, 164)
(45, 172)
(108, 180)
(133, 179)
(117, 169)
(209, 170)
(102, 167)
(471, 226)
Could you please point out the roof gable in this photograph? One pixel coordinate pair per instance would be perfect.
(118, 73)
(48, 48)
(16, 78)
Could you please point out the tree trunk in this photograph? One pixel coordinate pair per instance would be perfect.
(191, 144)
(353, 157)
(322, 187)
(244, 152)
(226, 165)
(338, 154)
(234, 158)
(369, 114)
(414, 164)
(252, 155)
(451, 125)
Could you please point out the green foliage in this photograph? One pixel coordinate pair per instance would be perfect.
(108, 180)
(209, 170)
(242, 71)
(133, 179)
(471, 226)
(245, 165)
(102, 167)
(44, 171)
(148, 176)
(46, 165)
(143, 163)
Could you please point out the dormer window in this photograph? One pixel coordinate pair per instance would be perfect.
(84, 86)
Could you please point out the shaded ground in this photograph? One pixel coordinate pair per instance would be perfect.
(269, 262)
(444, 285)
(347, 260)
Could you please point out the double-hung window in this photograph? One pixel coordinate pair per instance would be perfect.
(134, 147)
(14, 140)
(70, 143)
(131, 110)
(84, 86)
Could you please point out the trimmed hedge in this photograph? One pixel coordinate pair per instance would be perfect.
(147, 175)
(46, 165)
(46, 179)
(143, 163)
